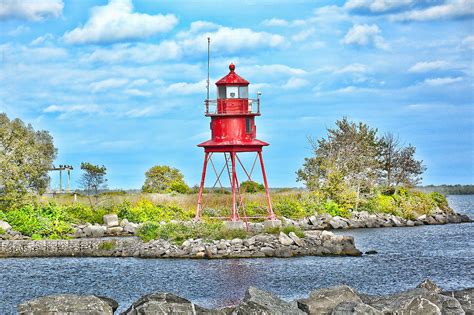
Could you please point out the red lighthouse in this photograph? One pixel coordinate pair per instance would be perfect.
(233, 132)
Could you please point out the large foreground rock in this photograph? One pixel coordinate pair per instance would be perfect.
(164, 303)
(67, 304)
(324, 301)
(261, 302)
(465, 297)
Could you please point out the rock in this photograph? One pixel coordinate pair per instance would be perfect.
(94, 230)
(284, 252)
(465, 298)
(130, 227)
(371, 252)
(261, 302)
(236, 241)
(67, 304)
(324, 301)
(349, 308)
(410, 223)
(338, 223)
(111, 220)
(115, 230)
(412, 302)
(298, 241)
(429, 285)
(123, 222)
(113, 304)
(270, 224)
(234, 225)
(164, 303)
(268, 251)
(5, 226)
(285, 239)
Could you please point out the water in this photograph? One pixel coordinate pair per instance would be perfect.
(443, 253)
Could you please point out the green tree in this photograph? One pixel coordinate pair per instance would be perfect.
(26, 156)
(93, 180)
(164, 179)
(251, 187)
(399, 166)
(350, 152)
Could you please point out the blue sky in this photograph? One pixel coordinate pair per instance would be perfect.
(122, 82)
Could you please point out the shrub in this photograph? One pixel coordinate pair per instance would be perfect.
(334, 209)
(289, 207)
(148, 231)
(108, 245)
(382, 203)
(291, 228)
(2, 231)
(251, 187)
(441, 201)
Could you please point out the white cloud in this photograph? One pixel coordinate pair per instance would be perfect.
(135, 113)
(363, 35)
(377, 6)
(137, 92)
(32, 10)
(352, 68)
(107, 84)
(303, 35)
(450, 9)
(427, 66)
(137, 53)
(41, 39)
(442, 81)
(275, 22)
(468, 42)
(295, 83)
(68, 110)
(271, 69)
(19, 30)
(117, 22)
(226, 39)
(185, 88)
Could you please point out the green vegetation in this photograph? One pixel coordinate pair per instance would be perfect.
(2, 231)
(93, 180)
(26, 156)
(251, 187)
(164, 179)
(108, 245)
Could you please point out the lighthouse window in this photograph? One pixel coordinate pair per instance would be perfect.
(221, 91)
(248, 125)
(232, 92)
(243, 92)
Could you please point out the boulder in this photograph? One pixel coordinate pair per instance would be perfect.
(465, 298)
(413, 302)
(429, 285)
(67, 304)
(261, 302)
(114, 230)
(349, 308)
(130, 227)
(94, 230)
(325, 301)
(298, 241)
(164, 303)
(111, 220)
(270, 224)
(285, 239)
(338, 223)
(5, 226)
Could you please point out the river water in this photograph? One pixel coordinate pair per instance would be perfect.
(406, 256)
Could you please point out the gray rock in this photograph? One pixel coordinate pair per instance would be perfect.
(114, 230)
(164, 303)
(5, 226)
(465, 298)
(94, 230)
(420, 306)
(269, 224)
(354, 308)
(130, 227)
(268, 251)
(111, 220)
(67, 304)
(261, 302)
(429, 285)
(298, 241)
(285, 239)
(325, 301)
(338, 223)
(403, 302)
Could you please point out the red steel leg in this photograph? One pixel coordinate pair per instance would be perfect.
(271, 215)
(203, 178)
(234, 216)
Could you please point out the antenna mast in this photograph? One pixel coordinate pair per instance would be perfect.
(208, 67)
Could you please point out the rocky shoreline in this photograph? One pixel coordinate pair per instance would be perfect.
(314, 243)
(426, 298)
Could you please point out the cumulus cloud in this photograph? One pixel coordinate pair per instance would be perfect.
(41, 39)
(32, 10)
(68, 110)
(442, 81)
(427, 66)
(107, 84)
(450, 9)
(468, 42)
(137, 92)
(138, 53)
(141, 112)
(352, 68)
(295, 83)
(185, 88)
(272, 69)
(227, 39)
(377, 6)
(275, 22)
(117, 22)
(303, 35)
(363, 35)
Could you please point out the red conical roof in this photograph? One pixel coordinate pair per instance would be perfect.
(232, 78)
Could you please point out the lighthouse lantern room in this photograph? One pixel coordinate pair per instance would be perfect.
(233, 131)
